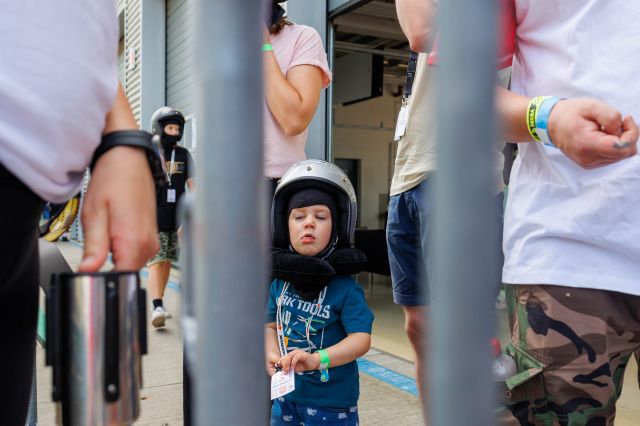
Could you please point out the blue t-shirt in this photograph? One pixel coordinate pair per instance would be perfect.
(343, 311)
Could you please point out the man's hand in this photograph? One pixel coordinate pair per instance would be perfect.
(119, 211)
(299, 361)
(592, 133)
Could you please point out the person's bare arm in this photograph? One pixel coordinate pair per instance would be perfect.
(292, 99)
(348, 349)
(191, 184)
(417, 20)
(271, 350)
(119, 209)
(588, 131)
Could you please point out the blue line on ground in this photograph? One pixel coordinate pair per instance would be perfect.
(172, 285)
(388, 376)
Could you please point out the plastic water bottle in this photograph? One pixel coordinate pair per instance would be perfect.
(504, 367)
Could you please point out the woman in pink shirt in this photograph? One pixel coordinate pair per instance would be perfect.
(295, 72)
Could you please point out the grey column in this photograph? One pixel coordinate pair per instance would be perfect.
(331, 36)
(465, 245)
(229, 237)
(314, 14)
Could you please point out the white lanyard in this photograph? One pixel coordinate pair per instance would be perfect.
(280, 328)
(172, 165)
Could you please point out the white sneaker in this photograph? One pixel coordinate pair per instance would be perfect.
(158, 317)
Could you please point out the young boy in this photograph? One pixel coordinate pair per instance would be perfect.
(168, 123)
(317, 321)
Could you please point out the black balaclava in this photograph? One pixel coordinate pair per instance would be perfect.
(312, 197)
(277, 12)
(170, 141)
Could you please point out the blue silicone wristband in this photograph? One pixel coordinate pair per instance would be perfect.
(542, 119)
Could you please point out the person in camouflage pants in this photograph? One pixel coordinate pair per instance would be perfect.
(572, 220)
(572, 346)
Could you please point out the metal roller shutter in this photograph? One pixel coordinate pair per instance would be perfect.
(180, 55)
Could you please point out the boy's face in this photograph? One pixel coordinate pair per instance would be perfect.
(172, 129)
(310, 229)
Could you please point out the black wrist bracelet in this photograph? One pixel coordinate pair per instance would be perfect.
(136, 139)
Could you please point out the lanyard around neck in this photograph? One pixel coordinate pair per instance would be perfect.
(172, 165)
(279, 323)
(411, 74)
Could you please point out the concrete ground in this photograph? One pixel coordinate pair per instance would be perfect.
(386, 384)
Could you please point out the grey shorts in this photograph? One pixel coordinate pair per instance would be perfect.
(169, 249)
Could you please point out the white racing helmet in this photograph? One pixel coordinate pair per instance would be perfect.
(324, 176)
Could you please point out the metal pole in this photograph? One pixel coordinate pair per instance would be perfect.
(331, 40)
(229, 218)
(32, 416)
(465, 229)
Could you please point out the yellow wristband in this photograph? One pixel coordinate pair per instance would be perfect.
(532, 116)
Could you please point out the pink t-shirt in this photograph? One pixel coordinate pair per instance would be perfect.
(294, 45)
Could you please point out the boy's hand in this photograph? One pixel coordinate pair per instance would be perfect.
(300, 361)
(272, 360)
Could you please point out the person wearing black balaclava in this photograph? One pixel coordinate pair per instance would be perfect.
(295, 73)
(168, 123)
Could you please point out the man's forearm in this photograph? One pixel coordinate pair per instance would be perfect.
(121, 116)
(417, 19)
(512, 111)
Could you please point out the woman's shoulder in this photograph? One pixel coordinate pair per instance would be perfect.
(300, 32)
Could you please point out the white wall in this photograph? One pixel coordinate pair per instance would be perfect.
(364, 131)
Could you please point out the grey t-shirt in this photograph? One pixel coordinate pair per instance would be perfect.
(58, 80)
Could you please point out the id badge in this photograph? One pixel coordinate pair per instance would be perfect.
(282, 384)
(171, 195)
(401, 126)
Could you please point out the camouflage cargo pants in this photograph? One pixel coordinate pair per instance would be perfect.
(571, 346)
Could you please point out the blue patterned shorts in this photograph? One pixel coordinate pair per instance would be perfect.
(286, 413)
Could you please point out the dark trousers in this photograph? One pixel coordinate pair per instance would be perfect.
(20, 209)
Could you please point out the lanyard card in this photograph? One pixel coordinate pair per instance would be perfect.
(401, 126)
(171, 195)
(282, 384)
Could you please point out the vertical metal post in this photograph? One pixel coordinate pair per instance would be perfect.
(331, 38)
(32, 415)
(465, 242)
(229, 218)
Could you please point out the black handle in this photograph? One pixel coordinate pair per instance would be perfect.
(53, 343)
(142, 320)
(112, 342)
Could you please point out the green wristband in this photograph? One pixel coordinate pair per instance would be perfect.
(267, 47)
(325, 362)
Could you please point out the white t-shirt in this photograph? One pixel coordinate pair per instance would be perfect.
(58, 80)
(566, 225)
(416, 153)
